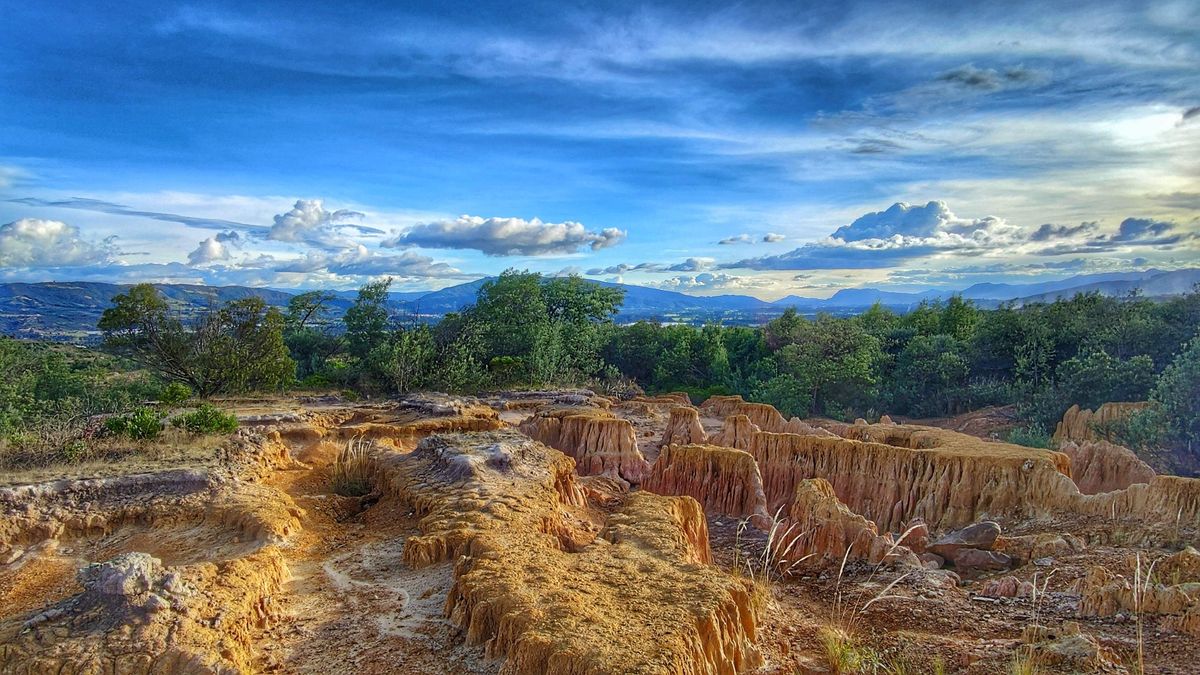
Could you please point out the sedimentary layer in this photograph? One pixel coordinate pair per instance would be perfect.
(725, 481)
(549, 586)
(599, 442)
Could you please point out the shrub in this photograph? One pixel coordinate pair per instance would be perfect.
(175, 394)
(207, 419)
(141, 424)
(1030, 437)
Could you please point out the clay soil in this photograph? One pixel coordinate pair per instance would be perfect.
(350, 605)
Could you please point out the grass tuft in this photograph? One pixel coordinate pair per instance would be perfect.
(351, 476)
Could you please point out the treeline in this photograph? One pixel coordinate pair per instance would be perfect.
(525, 330)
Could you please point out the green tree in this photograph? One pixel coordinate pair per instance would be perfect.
(1177, 395)
(930, 377)
(236, 347)
(367, 320)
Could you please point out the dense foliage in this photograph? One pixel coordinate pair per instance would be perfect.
(938, 359)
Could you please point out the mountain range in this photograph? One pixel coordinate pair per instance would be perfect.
(70, 310)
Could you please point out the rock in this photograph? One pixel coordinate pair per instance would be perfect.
(980, 536)
(1036, 546)
(1026, 590)
(735, 433)
(683, 428)
(725, 481)
(971, 561)
(916, 537)
(1068, 647)
(932, 561)
(1006, 587)
(826, 531)
(1080, 425)
(886, 419)
(1100, 466)
(128, 574)
(599, 442)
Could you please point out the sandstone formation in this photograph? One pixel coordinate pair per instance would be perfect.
(721, 406)
(725, 481)
(178, 610)
(947, 487)
(1080, 425)
(548, 587)
(1100, 466)
(683, 427)
(735, 433)
(822, 530)
(599, 442)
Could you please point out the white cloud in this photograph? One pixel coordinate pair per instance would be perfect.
(506, 236)
(900, 233)
(214, 248)
(771, 238)
(33, 242)
(309, 221)
(692, 265)
(737, 239)
(708, 281)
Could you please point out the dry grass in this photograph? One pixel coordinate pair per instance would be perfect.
(351, 475)
(44, 458)
(770, 564)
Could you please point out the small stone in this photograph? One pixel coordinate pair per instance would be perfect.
(980, 536)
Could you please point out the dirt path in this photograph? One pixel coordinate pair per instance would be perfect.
(352, 605)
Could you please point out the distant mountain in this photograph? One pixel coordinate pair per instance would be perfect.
(70, 310)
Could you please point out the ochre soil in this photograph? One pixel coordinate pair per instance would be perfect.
(349, 604)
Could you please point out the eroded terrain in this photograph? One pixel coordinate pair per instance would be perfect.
(532, 532)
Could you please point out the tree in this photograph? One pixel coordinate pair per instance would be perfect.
(1177, 395)
(235, 347)
(930, 376)
(367, 319)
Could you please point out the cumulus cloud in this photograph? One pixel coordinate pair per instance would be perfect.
(33, 242)
(888, 237)
(708, 281)
(737, 239)
(309, 221)
(215, 248)
(771, 238)
(507, 236)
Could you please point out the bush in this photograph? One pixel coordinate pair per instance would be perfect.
(175, 393)
(1030, 437)
(207, 419)
(139, 425)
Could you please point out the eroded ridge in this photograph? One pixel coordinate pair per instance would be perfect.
(724, 480)
(176, 569)
(549, 584)
(600, 442)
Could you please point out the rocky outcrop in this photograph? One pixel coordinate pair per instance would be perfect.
(721, 406)
(821, 530)
(725, 481)
(895, 474)
(678, 398)
(599, 442)
(1100, 466)
(135, 616)
(1105, 593)
(890, 485)
(683, 427)
(802, 428)
(1081, 425)
(735, 433)
(547, 585)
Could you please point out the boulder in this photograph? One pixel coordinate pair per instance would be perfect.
(980, 536)
(971, 561)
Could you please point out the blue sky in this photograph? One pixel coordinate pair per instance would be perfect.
(759, 148)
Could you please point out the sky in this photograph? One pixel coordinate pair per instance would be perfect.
(755, 148)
